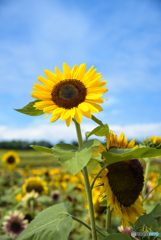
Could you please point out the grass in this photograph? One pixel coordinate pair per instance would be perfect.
(32, 158)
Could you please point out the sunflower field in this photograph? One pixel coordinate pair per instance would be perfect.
(98, 191)
(28, 189)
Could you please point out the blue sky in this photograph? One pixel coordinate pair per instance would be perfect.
(122, 39)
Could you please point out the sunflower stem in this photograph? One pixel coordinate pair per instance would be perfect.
(108, 218)
(87, 185)
(146, 177)
(92, 185)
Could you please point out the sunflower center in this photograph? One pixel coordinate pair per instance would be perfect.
(126, 181)
(34, 186)
(11, 160)
(28, 217)
(69, 93)
(15, 226)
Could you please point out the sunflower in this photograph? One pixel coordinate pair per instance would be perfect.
(30, 199)
(14, 224)
(10, 160)
(122, 182)
(37, 184)
(156, 139)
(153, 142)
(72, 93)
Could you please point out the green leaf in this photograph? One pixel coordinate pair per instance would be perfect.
(94, 161)
(42, 149)
(5, 237)
(29, 109)
(97, 121)
(73, 159)
(146, 221)
(156, 212)
(118, 155)
(45, 199)
(159, 180)
(52, 223)
(98, 131)
(119, 236)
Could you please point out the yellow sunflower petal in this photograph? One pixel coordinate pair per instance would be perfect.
(131, 144)
(78, 115)
(83, 106)
(87, 114)
(74, 70)
(68, 121)
(80, 72)
(65, 114)
(50, 109)
(54, 118)
(58, 73)
(67, 71)
(46, 82)
(51, 76)
(101, 148)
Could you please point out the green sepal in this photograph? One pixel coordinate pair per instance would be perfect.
(30, 110)
(118, 155)
(73, 159)
(42, 149)
(99, 131)
(53, 223)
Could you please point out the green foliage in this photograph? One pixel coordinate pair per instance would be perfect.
(53, 223)
(30, 110)
(118, 155)
(105, 232)
(23, 144)
(73, 159)
(149, 143)
(146, 223)
(119, 236)
(156, 212)
(42, 149)
(98, 131)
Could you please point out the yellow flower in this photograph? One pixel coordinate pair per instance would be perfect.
(30, 199)
(72, 93)
(19, 197)
(156, 139)
(35, 183)
(54, 171)
(122, 182)
(10, 160)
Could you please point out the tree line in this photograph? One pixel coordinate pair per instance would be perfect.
(26, 145)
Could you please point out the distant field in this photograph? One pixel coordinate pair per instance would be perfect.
(33, 158)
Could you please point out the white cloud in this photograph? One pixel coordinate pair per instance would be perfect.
(57, 132)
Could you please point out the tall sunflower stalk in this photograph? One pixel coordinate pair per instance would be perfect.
(69, 96)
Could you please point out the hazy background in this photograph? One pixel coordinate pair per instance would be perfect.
(122, 39)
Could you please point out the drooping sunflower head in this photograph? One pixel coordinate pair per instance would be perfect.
(112, 141)
(14, 224)
(72, 93)
(37, 184)
(10, 160)
(122, 182)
